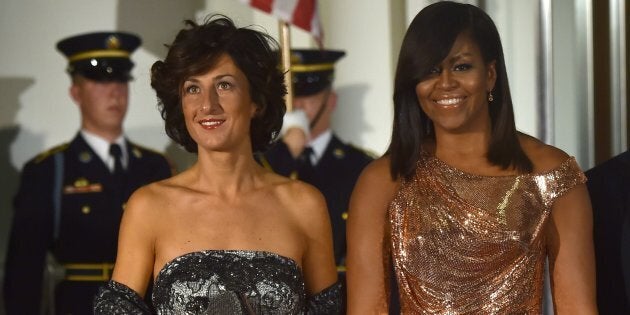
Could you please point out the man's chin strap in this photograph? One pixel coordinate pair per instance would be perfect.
(322, 107)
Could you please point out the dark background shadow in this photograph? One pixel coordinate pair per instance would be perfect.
(159, 23)
(10, 91)
(156, 21)
(349, 119)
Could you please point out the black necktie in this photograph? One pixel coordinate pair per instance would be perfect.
(304, 164)
(305, 157)
(116, 153)
(118, 175)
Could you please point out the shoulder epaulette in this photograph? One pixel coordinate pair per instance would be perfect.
(42, 156)
(369, 153)
(143, 148)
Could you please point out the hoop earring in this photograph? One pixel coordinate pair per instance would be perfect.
(490, 97)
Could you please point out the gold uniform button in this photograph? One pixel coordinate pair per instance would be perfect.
(344, 215)
(86, 209)
(339, 153)
(293, 175)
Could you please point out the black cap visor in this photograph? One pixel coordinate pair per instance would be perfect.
(103, 69)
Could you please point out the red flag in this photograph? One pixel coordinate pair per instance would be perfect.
(301, 13)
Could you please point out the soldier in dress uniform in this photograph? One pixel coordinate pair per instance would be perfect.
(70, 199)
(309, 150)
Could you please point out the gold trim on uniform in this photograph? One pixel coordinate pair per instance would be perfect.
(42, 156)
(81, 182)
(265, 163)
(112, 53)
(87, 188)
(102, 271)
(313, 67)
(136, 152)
(339, 153)
(369, 153)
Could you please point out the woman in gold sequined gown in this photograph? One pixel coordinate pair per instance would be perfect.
(465, 207)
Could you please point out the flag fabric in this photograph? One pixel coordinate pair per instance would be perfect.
(301, 13)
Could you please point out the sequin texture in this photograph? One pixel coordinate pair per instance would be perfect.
(469, 244)
(224, 282)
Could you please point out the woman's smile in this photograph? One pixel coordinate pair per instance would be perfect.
(211, 123)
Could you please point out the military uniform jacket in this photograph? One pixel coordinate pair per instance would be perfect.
(334, 175)
(85, 230)
(609, 189)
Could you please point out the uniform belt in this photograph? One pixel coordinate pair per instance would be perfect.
(88, 272)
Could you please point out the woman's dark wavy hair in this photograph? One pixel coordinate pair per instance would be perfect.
(195, 50)
(426, 43)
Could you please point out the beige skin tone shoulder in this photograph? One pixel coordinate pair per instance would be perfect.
(569, 237)
(225, 201)
(174, 217)
(368, 239)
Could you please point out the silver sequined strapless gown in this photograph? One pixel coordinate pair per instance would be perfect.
(224, 282)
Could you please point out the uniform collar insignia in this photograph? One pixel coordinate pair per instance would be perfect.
(85, 157)
(136, 152)
(339, 153)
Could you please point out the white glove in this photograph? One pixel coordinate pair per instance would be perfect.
(295, 119)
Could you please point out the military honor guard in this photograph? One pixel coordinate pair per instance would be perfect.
(322, 160)
(70, 200)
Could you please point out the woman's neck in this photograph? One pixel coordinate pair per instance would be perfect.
(226, 174)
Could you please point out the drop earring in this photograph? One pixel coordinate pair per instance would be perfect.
(490, 97)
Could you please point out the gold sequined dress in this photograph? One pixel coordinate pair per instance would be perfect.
(472, 244)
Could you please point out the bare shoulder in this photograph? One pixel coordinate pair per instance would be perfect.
(147, 200)
(299, 197)
(544, 157)
(374, 189)
(377, 177)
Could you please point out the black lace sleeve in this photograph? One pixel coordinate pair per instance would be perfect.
(117, 298)
(326, 302)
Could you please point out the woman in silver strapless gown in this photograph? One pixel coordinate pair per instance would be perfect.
(225, 236)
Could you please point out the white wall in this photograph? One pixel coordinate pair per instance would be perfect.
(517, 22)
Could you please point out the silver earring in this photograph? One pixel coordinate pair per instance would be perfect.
(490, 97)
